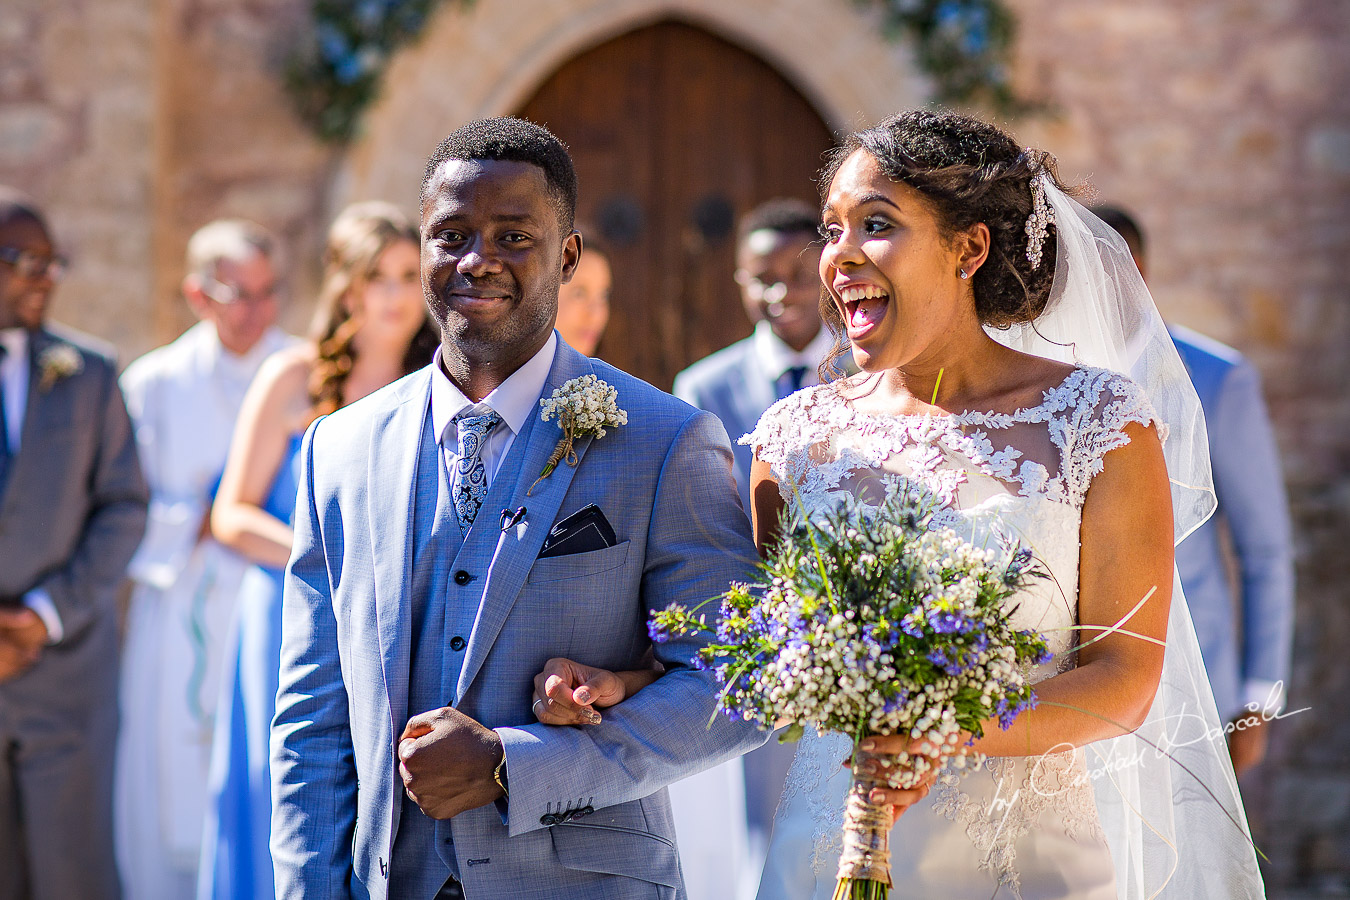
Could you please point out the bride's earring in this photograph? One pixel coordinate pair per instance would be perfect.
(965, 274)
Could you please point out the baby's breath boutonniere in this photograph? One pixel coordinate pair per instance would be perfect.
(56, 362)
(583, 406)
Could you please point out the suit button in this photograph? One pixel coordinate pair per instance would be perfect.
(548, 820)
(585, 811)
(457, 643)
(462, 577)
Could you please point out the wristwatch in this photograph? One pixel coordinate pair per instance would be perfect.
(499, 775)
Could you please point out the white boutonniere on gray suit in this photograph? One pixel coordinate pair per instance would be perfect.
(57, 362)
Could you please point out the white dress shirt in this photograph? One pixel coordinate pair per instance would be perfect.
(14, 382)
(14, 371)
(515, 400)
(776, 357)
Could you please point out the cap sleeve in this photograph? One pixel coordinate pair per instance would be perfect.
(1104, 404)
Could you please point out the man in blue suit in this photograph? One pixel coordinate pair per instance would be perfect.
(437, 568)
(778, 271)
(1245, 645)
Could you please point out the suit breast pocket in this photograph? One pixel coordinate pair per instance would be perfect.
(579, 565)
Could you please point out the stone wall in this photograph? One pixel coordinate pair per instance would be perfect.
(78, 100)
(1226, 127)
(1224, 124)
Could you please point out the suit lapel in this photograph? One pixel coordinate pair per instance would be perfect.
(45, 411)
(392, 481)
(517, 548)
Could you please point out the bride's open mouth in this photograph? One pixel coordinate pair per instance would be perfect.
(865, 306)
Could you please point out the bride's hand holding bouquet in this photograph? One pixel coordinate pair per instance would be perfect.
(878, 623)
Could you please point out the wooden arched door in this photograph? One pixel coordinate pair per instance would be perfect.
(676, 133)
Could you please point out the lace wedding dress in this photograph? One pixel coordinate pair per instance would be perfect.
(1152, 814)
(1016, 827)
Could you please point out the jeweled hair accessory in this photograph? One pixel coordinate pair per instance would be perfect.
(1038, 223)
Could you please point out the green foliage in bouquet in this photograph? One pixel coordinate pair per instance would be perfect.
(874, 621)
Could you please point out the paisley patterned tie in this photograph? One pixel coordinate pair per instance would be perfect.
(468, 482)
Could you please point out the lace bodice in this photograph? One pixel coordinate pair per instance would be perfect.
(1024, 473)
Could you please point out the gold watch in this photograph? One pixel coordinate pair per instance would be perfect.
(499, 775)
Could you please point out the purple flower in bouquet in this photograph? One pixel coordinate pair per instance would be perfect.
(873, 620)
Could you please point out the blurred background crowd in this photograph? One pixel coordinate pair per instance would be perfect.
(205, 190)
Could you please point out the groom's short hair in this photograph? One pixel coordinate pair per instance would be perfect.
(513, 140)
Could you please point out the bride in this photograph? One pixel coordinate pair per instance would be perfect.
(996, 324)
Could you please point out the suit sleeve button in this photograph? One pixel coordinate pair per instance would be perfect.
(462, 577)
(457, 643)
(548, 820)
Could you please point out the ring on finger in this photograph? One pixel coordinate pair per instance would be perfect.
(534, 707)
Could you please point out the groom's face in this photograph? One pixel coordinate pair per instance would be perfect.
(493, 257)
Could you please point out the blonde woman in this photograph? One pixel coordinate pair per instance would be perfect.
(370, 329)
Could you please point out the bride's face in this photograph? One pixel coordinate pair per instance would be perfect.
(889, 271)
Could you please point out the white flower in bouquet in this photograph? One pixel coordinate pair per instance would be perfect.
(874, 621)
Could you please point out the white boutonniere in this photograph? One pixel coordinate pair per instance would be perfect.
(583, 406)
(57, 362)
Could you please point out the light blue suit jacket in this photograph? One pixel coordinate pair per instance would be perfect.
(732, 385)
(588, 815)
(1250, 639)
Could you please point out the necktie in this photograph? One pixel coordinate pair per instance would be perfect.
(791, 381)
(468, 483)
(4, 427)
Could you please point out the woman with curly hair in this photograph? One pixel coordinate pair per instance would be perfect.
(370, 328)
(1013, 364)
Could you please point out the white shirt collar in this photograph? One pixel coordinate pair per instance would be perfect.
(515, 399)
(15, 341)
(777, 357)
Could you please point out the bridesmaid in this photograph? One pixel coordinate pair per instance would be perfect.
(583, 302)
(370, 329)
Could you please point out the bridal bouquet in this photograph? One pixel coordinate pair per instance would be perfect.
(873, 620)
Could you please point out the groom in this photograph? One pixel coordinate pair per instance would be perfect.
(435, 571)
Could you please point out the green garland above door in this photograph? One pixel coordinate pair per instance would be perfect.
(335, 70)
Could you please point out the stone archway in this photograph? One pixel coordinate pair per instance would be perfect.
(489, 57)
(676, 134)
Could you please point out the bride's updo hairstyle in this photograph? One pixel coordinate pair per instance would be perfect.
(969, 172)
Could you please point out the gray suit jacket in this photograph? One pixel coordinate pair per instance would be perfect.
(1249, 640)
(588, 814)
(70, 519)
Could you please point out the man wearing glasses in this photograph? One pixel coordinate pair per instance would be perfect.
(184, 398)
(72, 509)
(777, 269)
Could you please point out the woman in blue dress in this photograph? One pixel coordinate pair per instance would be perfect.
(370, 329)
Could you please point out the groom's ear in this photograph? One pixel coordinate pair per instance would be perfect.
(571, 255)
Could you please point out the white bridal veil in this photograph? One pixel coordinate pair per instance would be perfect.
(1166, 795)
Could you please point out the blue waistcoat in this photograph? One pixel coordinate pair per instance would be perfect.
(447, 589)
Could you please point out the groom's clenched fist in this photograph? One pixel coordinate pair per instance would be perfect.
(447, 761)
